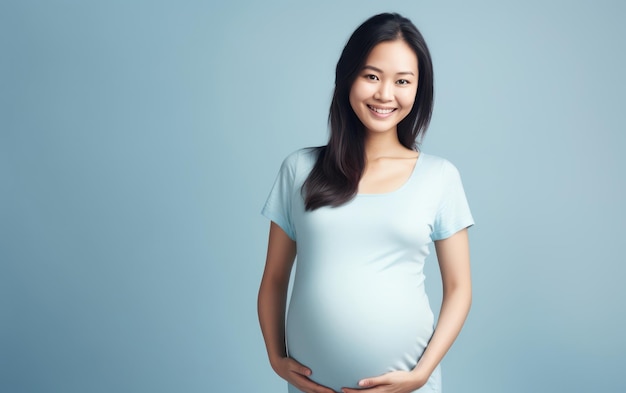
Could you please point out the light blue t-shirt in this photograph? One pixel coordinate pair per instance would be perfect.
(358, 306)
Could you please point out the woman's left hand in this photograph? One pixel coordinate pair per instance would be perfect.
(391, 382)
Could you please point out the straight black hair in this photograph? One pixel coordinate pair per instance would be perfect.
(335, 176)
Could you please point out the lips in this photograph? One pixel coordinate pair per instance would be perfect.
(381, 110)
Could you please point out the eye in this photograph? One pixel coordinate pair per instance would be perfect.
(371, 77)
(403, 82)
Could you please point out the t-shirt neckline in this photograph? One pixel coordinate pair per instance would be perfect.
(399, 189)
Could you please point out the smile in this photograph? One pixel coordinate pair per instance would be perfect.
(382, 111)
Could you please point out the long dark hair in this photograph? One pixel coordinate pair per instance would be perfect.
(335, 177)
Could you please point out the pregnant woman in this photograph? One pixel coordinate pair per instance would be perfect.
(359, 213)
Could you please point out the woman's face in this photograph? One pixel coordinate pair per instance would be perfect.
(384, 91)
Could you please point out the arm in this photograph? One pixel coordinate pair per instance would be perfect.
(281, 252)
(272, 300)
(454, 263)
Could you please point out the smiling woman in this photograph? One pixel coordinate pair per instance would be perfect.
(360, 214)
(384, 92)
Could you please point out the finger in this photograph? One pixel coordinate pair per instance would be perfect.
(299, 368)
(309, 386)
(375, 381)
(326, 389)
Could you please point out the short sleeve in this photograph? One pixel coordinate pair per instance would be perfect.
(453, 213)
(277, 207)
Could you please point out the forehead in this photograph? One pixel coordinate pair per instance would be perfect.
(396, 56)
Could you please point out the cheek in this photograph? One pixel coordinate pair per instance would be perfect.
(361, 91)
(407, 100)
(355, 98)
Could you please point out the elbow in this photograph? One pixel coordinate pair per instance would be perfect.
(272, 288)
(459, 290)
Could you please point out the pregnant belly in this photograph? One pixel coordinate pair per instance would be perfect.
(345, 331)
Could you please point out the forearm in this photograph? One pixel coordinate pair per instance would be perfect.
(271, 309)
(272, 300)
(454, 309)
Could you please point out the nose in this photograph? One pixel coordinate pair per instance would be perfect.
(384, 92)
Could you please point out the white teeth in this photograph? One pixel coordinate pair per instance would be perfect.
(381, 111)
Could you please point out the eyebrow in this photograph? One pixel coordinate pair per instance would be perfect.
(369, 67)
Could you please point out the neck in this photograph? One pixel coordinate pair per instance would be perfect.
(382, 144)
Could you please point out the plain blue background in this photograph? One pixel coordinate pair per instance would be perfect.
(139, 139)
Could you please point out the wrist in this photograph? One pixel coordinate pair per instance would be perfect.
(275, 360)
(419, 376)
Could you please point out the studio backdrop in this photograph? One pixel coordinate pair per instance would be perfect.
(139, 140)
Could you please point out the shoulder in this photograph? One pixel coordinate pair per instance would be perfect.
(301, 159)
(438, 164)
(297, 165)
(303, 154)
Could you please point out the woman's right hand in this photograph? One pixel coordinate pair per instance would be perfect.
(298, 375)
